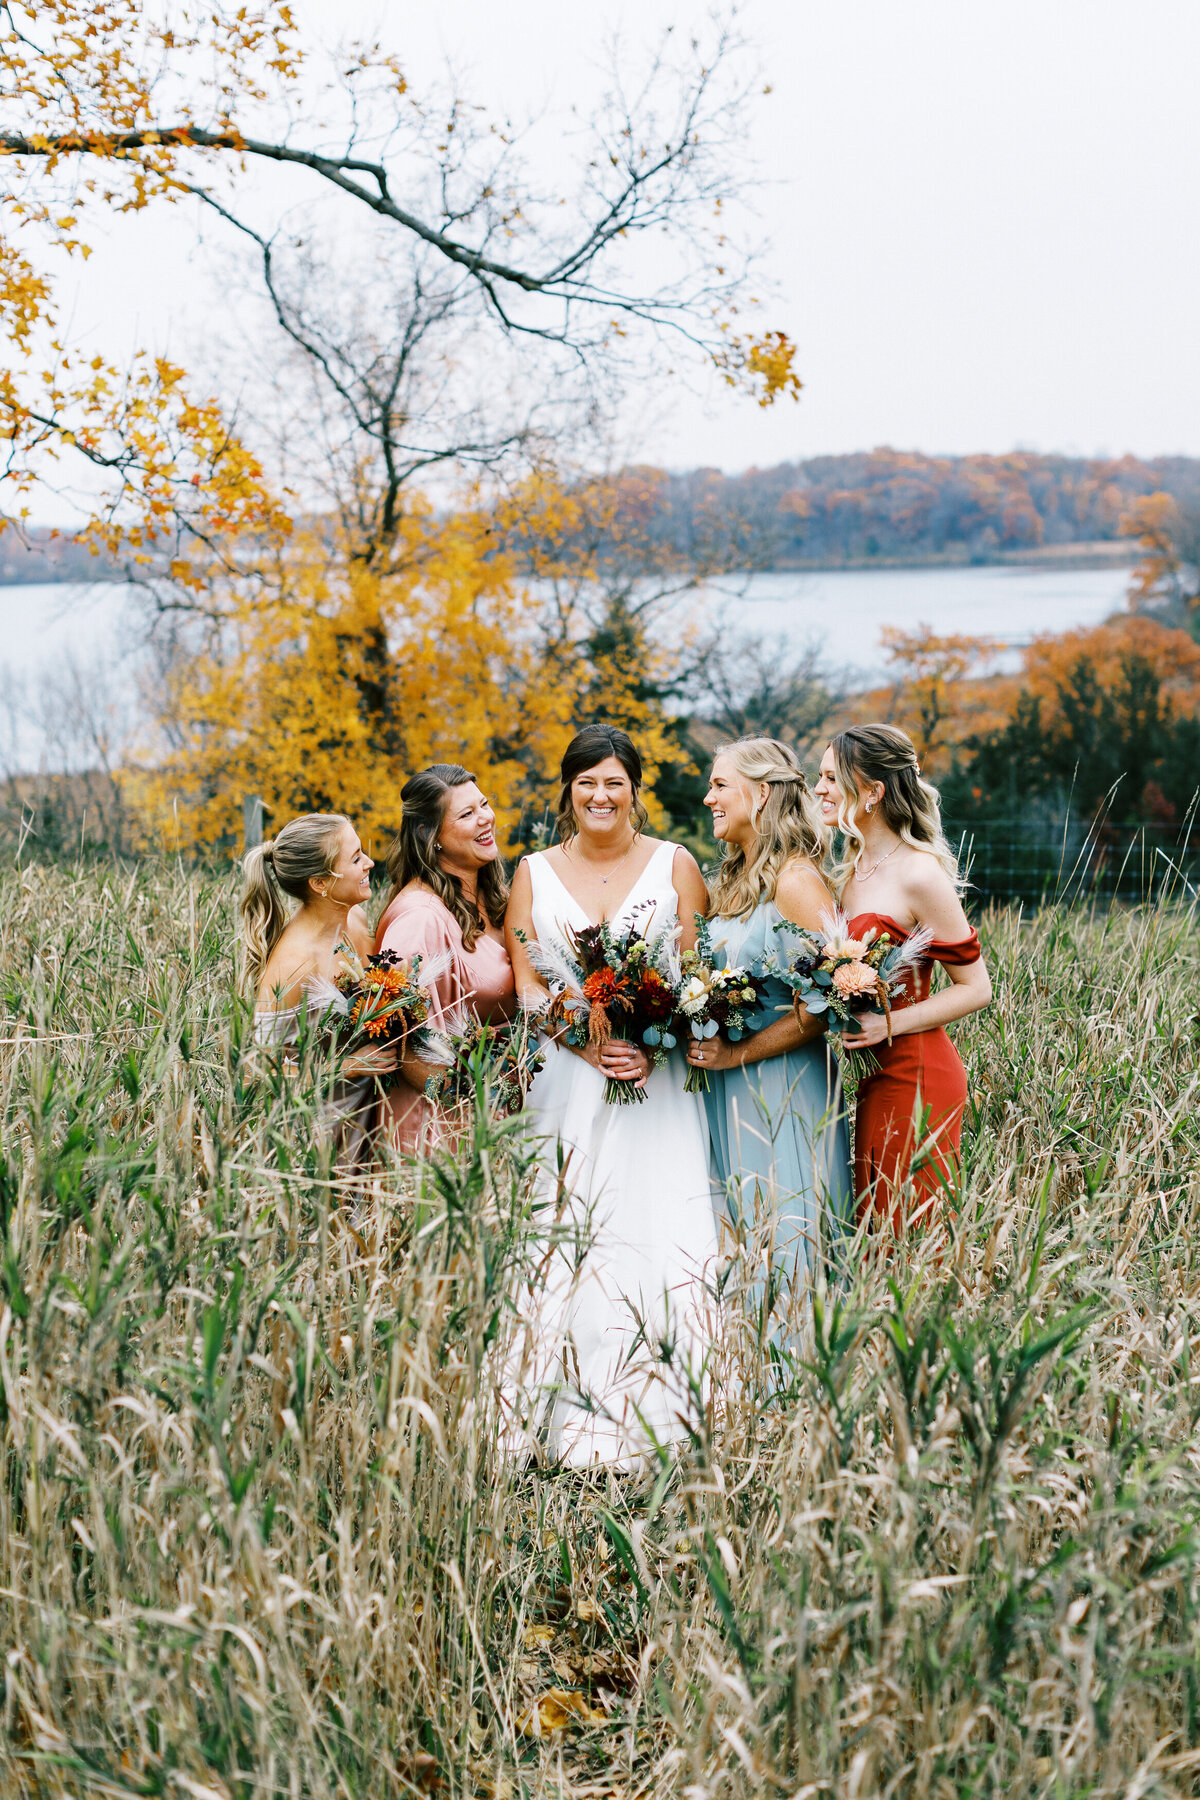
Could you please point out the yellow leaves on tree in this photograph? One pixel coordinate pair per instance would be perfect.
(333, 682)
(762, 366)
(87, 80)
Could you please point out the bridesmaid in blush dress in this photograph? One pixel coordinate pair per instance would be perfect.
(447, 903)
(899, 874)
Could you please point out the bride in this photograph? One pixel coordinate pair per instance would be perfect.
(626, 1329)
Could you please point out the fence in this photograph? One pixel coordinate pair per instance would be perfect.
(1014, 860)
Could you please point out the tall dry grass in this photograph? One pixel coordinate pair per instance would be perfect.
(255, 1536)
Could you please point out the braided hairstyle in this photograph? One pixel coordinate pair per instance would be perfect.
(911, 806)
(788, 823)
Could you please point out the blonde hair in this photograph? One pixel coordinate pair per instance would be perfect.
(284, 865)
(863, 754)
(788, 824)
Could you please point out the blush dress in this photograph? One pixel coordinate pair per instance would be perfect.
(610, 1356)
(780, 1142)
(417, 923)
(908, 1113)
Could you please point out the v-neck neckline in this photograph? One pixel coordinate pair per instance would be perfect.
(611, 917)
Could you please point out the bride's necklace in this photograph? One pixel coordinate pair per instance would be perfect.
(861, 874)
(604, 878)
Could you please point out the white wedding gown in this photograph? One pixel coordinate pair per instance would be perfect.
(611, 1353)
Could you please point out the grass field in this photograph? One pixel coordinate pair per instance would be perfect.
(255, 1538)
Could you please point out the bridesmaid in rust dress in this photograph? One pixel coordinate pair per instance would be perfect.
(899, 874)
(448, 899)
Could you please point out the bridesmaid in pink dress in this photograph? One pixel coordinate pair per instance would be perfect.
(448, 894)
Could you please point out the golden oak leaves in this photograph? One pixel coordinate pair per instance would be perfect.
(329, 682)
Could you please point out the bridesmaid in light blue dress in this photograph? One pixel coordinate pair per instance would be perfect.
(781, 1148)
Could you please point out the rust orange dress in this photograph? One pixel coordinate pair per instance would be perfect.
(908, 1113)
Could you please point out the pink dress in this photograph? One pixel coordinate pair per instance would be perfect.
(481, 980)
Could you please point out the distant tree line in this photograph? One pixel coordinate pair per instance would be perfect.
(893, 504)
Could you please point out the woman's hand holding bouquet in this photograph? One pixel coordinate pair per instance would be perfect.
(377, 1013)
(714, 999)
(834, 973)
(505, 1054)
(606, 986)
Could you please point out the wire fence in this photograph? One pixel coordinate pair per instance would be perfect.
(1014, 860)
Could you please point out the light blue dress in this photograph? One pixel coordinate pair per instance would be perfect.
(780, 1143)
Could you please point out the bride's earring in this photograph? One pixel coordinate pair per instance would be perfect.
(870, 806)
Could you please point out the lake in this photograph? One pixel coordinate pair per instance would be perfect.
(842, 610)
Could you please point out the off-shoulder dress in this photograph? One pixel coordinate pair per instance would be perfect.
(908, 1113)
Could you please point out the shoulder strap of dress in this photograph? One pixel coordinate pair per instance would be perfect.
(536, 863)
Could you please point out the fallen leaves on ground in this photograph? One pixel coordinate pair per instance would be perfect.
(557, 1709)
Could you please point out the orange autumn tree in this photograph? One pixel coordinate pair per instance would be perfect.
(941, 694)
(1166, 579)
(1103, 719)
(933, 699)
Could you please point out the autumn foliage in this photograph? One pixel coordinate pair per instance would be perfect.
(326, 682)
(328, 629)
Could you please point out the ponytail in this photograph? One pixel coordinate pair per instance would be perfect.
(264, 913)
(305, 849)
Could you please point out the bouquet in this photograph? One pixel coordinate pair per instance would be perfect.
(613, 985)
(835, 973)
(381, 1003)
(714, 999)
(508, 1051)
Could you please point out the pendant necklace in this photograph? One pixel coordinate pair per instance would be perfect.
(866, 874)
(604, 878)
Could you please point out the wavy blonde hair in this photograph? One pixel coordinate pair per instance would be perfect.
(788, 824)
(911, 806)
(282, 867)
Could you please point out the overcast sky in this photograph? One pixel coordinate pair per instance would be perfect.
(982, 216)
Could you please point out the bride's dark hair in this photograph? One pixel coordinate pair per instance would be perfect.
(595, 744)
(413, 856)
